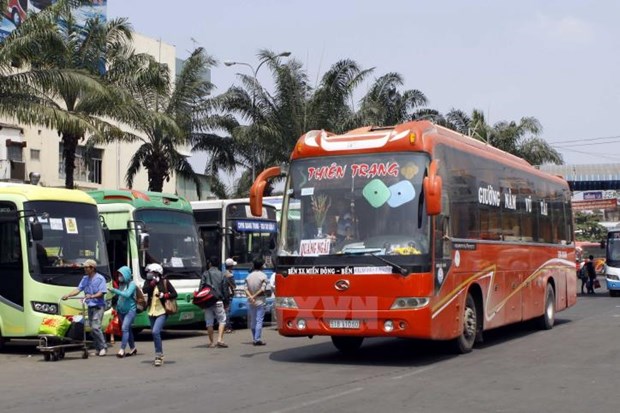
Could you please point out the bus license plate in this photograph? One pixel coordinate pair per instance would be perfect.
(186, 316)
(344, 323)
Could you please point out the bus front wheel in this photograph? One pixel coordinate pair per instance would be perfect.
(547, 320)
(465, 342)
(347, 344)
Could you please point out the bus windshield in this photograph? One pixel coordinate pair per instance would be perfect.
(173, 242)
(251, 239)
(356, 205)
(71, 235)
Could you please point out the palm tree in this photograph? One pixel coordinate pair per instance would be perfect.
(27, 89)
(509, 136)
(385, 105)
(276, 120)
(331, 105)
(86, 50)
(173, 115)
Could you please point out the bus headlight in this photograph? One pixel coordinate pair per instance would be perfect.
(612, 277)
(239, 293)
(286, 302)
(407, 303)
(48, 308)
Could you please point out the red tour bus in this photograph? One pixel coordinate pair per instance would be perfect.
(417, 231)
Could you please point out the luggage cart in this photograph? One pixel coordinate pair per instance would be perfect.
(54, 347)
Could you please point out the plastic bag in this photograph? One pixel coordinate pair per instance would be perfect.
(56, 325)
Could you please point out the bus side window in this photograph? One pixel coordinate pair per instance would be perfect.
(11, 263)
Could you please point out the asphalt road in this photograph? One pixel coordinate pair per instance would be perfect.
(574, 367)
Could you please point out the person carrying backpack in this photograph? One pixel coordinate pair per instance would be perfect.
(126, 309)
(214, 278)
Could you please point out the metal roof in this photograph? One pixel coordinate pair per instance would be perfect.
(587, 176)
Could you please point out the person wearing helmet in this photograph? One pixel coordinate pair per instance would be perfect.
(157, 290)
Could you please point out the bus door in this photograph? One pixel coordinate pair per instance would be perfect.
(11, 260)
(119, 253)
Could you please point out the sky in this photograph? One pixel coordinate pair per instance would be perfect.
(555, 60)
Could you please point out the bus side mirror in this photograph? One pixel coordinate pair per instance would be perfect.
(258, 189)
(106, 230)
(144, 241)
(36, 230)
(432, 186)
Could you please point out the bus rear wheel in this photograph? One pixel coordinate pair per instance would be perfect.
(547, 320)
(465, 342)
(347, 344)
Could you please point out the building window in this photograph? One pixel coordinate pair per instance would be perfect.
(35, 155)
(87, 164)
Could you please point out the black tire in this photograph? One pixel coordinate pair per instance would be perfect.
(47, 356)
(465, 342)
(547, 320)
(347, 344)
(53, 356)
(85, 354)
(2, 341)
(61, 354)
(613, 293)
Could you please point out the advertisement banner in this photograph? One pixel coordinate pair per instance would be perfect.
(604, 204)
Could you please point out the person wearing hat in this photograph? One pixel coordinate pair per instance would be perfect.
(229, 277)
(94, 287)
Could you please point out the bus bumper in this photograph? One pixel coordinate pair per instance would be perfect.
(613, 284)
(368, 323)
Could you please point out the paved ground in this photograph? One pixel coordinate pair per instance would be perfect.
(572, 368)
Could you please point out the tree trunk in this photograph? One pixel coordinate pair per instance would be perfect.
(156, 180)
(69, 147)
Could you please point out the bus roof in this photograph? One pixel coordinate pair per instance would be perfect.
(220, 203)
(140, 199)
(41, 193)
(415, 136)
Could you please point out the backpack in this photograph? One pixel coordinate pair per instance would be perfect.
(140, 300)
(204, 298)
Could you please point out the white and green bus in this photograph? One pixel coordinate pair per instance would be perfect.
(147, 227)
(46, 234)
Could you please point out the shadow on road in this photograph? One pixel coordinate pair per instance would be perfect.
(398, 352)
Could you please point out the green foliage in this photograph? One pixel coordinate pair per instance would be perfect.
(587, 227)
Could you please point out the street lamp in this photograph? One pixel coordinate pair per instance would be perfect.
(254, 117)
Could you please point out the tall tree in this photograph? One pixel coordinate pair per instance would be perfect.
(385, 105)
(27, 88)
(174, 113)
(518, 138)
(85, 49)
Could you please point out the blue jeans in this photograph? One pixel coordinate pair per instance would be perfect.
(256, 314)
(95, 314)
(157, 324)
(126, 321)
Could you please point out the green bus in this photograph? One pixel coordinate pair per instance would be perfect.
(46, 234)
(147, 227)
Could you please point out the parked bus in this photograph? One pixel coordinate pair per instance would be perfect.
(417, 231)
(147, 227)
(228, 230)
(45, 236)
(612, 262)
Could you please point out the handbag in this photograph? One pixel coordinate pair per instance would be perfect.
(140, 300)
(597, 284)
(170, 304)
